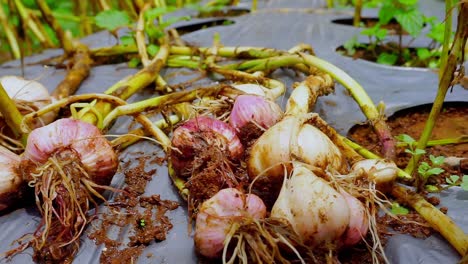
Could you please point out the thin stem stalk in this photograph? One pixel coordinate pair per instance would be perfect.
(436, 219)
(447, 35)
(156, 103)
(454, 57)
(357, 13)
(10, 34)
(353, 87)
(36, 28)
(130, 85)
(64, 39)
(11, 114)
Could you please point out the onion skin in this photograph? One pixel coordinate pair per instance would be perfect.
(95, 152)
(288, 140)
(29, 96)
(10, 179)
(358, 222)
(217, 215)
(317, 212)
(250, 88)
(208, 129)
(382, 172)
(256, 109)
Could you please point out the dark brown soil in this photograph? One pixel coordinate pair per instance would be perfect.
(452, 123)
(144, 216)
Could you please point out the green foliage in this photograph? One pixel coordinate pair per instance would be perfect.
(387, 58)
(411, 21)
(375, 31)
(152, 49)
(397, 209)
(405, 12)
(423, 53)
(436, 32)
(112, 19)
(351, 45)
(464, 183)
(127, 40)
(454, 180)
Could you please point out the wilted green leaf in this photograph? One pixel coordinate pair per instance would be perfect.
(112, 19)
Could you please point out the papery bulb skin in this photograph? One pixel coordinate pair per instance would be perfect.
(10, 179)
(197, 135)
(251, 88)
(317, 212)
(28, 96)
(256, 111)
(382, 172)
(288, 140)
(217, 216)
(83, 139)
(315, 148)
(358, 222)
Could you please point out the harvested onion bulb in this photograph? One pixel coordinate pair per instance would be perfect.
(75, 139)
(288, 140)
(221, 213)
(252, 112)
(197, 135)
(317, 212)
(69, 163)
(29, 96)
(207, 151)
(382, 172)
(358, 221)
(10, 179)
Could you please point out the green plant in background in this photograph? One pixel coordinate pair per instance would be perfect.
(347, 3)
(81, 18)
(400, 17)
(432, 168)
(455, 180)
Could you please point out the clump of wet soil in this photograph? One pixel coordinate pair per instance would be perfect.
(144, 216)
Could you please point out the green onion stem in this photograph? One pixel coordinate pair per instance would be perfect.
(445, 82)
(11, 114)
